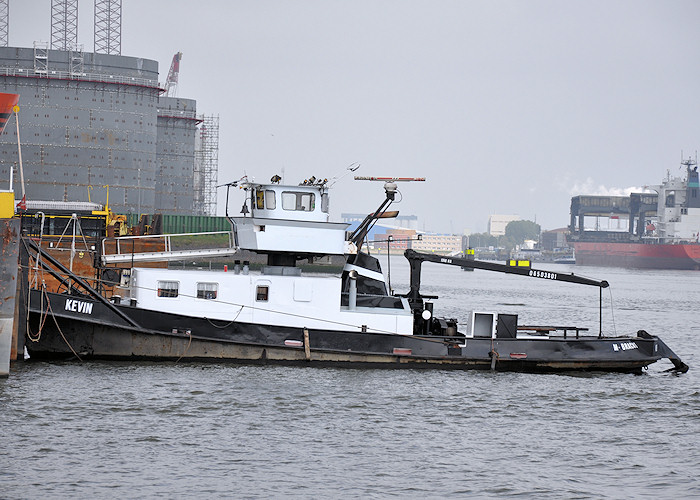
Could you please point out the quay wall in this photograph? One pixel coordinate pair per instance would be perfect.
(9, 247)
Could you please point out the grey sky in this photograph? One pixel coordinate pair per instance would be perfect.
(505, 106)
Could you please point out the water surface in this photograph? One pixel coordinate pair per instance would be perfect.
(105, 430)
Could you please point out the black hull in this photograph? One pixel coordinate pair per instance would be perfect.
(104, 334)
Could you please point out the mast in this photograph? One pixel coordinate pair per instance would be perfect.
(390, 187)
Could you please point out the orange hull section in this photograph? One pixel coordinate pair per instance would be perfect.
(7, 102)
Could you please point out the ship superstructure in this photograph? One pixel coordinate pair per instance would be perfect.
(678, 212)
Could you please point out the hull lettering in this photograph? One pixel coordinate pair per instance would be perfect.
(79, 306)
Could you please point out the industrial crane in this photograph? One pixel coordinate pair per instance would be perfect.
(171, 81)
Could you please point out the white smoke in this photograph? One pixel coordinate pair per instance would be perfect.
(588, 187)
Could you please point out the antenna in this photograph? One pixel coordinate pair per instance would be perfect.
(350, 168)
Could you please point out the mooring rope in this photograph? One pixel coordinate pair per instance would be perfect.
(48, 302)
(229, 323)
(186, 348)
(494, 356)
(42, 318)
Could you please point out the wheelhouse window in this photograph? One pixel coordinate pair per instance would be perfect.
(168, 288)
(265, 199)
(270, 201)
(302, 202)
(207, 290)
(262, 293)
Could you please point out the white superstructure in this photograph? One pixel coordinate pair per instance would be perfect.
(288, 219)
(272, 299)
(678, 213)
(287, 223)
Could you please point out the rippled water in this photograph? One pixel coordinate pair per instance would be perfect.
(222, 430)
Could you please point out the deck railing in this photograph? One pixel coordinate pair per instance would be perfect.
(167, 247)
(88, 77)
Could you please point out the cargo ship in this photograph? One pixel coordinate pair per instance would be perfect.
(656, 229)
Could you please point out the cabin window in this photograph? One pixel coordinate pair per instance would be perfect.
(270, 202)
(265, 199)
(671, 199)
(262, 293)
(324, 203)
(168, 288)
(303, 202)
(207, 290)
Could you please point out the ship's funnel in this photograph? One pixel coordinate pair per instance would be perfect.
(7, 102)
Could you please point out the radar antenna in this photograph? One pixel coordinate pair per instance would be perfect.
(390, 188)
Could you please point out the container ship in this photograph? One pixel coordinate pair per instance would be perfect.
(657, 229)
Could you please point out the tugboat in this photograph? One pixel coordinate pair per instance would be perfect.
(281, 315)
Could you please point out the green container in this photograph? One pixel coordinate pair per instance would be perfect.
(177, 224)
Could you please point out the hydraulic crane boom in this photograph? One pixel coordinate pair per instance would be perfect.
(415, 260)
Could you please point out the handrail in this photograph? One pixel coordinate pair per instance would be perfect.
(122, 251)
(89, 77)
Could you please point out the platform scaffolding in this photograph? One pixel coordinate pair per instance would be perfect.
(206, 166)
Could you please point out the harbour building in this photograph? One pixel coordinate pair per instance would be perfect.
(498, 222)
(440, 243)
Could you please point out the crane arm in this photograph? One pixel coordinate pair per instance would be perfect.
(415, 260)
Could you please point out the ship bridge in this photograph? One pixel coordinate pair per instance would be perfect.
(288, 222)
